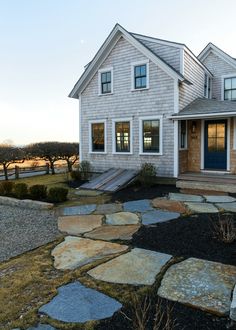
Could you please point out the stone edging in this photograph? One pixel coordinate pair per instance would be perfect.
(25, 203)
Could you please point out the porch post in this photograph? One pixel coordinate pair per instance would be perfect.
(176, 148)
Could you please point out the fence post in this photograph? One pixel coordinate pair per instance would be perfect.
(47, 168)
(17, 172)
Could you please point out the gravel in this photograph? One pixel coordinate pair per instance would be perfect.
(22, 230)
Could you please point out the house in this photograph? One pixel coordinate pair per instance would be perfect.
(143, 99)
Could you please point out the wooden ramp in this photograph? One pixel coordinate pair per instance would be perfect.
(111, 180)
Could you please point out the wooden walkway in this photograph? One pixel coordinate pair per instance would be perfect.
(111, 180)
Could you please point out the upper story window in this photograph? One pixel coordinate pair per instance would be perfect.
(230, 89)
(207, 86)
(140, 75)
(105, 80)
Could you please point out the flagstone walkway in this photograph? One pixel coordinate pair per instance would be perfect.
(105, 230)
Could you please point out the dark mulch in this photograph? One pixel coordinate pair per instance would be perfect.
(76, 183)
(190, 236)
(135, 192)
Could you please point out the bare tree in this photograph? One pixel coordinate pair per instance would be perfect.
(9, 155)
(70, 153)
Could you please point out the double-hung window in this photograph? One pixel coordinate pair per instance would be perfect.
(183, 134)
(122, 142)
(230, 89)
(140, 75)
(97, 136)
(150, 135)
(105, 81)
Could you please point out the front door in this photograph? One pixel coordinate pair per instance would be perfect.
(215, 145)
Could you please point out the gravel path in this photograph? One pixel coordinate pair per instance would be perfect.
(22, 230)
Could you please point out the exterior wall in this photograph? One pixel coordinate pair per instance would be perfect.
(169, 54)
(195, 74)
(157, 100)
(218, 68)
(183, 161)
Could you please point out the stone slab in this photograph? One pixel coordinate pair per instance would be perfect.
(108, 208)
(88, 193)
(79, 224)
(169, 205)
(185, 197)
(78, 210)
(79, 304)
(75, 252)
(158, 216)
(200, 283)
(201, 208)
(219, 199)
(42, 327)
(26, 203)
(138, 267)
(109, 233)
(233, 306)
(142, 205)
(122, 218)
(229, 207)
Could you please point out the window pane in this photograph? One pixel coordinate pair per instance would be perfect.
(143, 70)
(234, 94)
(212, 130)
(104, 88)
(227, 95)
(228, 83)
(138, 82)
(183, 134)
(98, 137)
(151, 135)
(108, 76)
(140, 76)
(103, 77)
(143, 83)
(122, 131)
(233, 82)
(137, 71)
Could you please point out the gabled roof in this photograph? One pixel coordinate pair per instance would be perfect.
(213, 48)
(117, 32)
(206, 108)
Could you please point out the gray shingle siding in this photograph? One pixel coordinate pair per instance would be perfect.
(157, 100)
(218, 67)
(195, 74)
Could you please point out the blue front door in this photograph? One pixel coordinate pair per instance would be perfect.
(215, 145)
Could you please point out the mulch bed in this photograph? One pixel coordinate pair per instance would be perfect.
(189, 236)
(135, 192)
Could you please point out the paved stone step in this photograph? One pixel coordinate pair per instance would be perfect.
(169, 205)
(108, 208)
(109, 233)
(76, 252)
(158, 216)
(138, 267)
(79, 304)
(200, 283)
(202, 208)
(229, 207)
(185, 197)
(122, 218)
(142, 205)
(79, 224)
(78, 210)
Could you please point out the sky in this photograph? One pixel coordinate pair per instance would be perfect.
(44, 45)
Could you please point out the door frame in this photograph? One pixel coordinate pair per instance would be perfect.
(203, 144)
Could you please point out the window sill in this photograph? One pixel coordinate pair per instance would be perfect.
(122, 153)
(183, 149)
(151, 154)
(98, 153)
(105, 94)
(139, 89)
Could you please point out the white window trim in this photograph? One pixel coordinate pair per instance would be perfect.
(234, 135)
(99, 81)
(114, 121)
(141, 119)
(104, 121)
(231, 75)
(186, 136)
(133, 64)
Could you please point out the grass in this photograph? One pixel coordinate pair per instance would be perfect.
(30, 280)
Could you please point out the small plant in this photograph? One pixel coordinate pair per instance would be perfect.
(38, 192)
(6, 188)
(147, 174)
(85, 170)
(21, 190)
(224, 228)
(75, 174)
(57, 195)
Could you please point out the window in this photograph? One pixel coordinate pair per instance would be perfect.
(140, 75)
(122, 136)
(150, 135)
(105, 81)
(230, 89)
(207, 86)
(97, 132)
(183, 134)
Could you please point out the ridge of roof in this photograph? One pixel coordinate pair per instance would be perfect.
(157, 39)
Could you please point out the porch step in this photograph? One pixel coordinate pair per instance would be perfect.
(210, 185)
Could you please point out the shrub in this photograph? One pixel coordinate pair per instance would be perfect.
(147, 174)
(6, 188)
(85, 170)
(224, 228)
(76, 175)
(38, 192)
(21, 190)
(57, 195)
